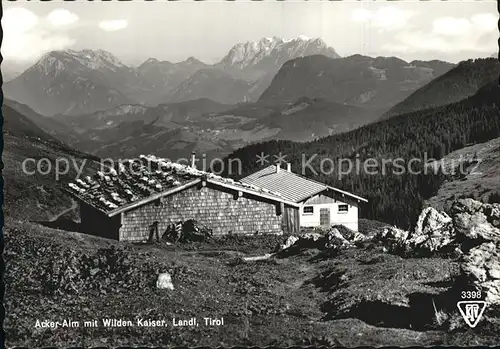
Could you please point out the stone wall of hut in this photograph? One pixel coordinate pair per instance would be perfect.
(221, 210)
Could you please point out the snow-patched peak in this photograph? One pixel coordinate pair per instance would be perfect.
(56, 61)
(96, 59)
(251, 53)
(50, 63)
(305, 38)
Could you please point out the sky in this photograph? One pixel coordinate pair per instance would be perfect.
(137, 30)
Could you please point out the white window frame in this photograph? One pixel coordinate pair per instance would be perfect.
(308, 213)
(343, 211)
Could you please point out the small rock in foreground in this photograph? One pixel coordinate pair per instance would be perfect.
(165, 281)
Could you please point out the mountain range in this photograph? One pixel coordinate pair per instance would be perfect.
(70, 82)
(397, 196)
(454, 85)
(215, 129)
(94, 103)
(330, 102)
(269, 54)
(377, 83)
(81, 82)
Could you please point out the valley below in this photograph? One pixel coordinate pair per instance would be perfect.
(174, 131)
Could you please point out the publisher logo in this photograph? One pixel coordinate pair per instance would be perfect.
(472, 311)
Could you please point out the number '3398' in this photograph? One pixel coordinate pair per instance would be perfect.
(471, 294)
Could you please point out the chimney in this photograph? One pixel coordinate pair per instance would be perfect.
(278, 167)
(193, 160)
(288, 167)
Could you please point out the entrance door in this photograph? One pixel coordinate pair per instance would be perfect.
(324, 216)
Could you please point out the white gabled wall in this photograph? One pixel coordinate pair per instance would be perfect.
(312, 219)
(349, 218)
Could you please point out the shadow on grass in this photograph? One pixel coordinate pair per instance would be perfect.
(419, 315)
(69, 225)
(63, 224)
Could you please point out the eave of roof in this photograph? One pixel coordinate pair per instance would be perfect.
(348, 194)
(104, 191)
(77, 197)
(270, 170)
(263, 195)
(191, 184)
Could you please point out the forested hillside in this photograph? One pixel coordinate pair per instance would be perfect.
(460, 82)
(394, 197)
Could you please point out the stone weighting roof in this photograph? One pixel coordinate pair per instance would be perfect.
(137, 181)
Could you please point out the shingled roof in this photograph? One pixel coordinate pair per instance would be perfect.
(137, 181)
(289, 185)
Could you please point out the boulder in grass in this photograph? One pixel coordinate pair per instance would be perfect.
(310, 240)
(475, 220)
(431, 221)
(334, 240)
(347, 233)
(433, 233)
(392, 237)
(310, 237)
(165, 281)
(290, 241)
(359, 237)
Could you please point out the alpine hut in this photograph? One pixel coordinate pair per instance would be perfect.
(320, 205)
(123, 202)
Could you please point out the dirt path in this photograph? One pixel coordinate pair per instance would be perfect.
(73, 206)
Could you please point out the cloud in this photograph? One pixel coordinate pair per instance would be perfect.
(388, 18)
(113, 25)
(19, 20)
(31, 47)
(361, 15)
(450, 26)
(485, 21)
(25, 39)
(449, 35)
(62, 17)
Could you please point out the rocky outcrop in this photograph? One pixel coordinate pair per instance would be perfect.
(482, 267)
(476, 225)
(311, 237)
(393, 239)
(433, 232)
(338, 237)
(335, 241)
(288, 242)
(475, 220)
(349, 234)
(471, 231)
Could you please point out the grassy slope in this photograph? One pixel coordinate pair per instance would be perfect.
(38, 196)
(480, 180)
(295, 300)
